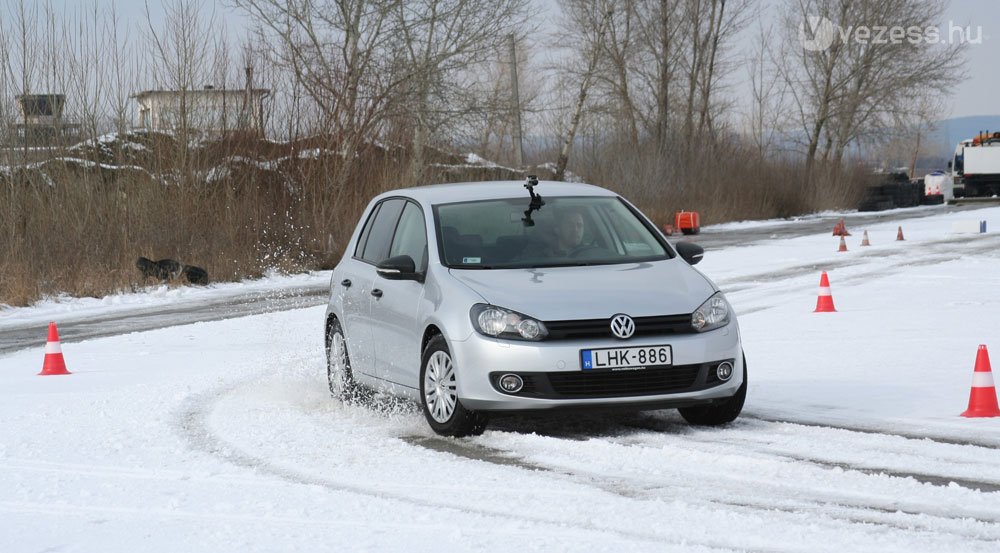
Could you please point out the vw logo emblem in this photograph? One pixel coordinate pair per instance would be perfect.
(622, 326)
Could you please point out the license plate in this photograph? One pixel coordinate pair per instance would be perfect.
(626, 358)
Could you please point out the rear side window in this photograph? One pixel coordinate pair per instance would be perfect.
(363, 239)
(376, 247)
(411, 236)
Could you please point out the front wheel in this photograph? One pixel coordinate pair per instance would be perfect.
(439, 391)
(719, 413)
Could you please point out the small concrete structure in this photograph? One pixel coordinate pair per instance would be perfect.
(41, 122)
(212, 110)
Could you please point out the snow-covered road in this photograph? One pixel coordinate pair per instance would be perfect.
(220, 436)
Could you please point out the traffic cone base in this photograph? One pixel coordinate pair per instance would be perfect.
(54, 363)
(824, 303)
(983, 397)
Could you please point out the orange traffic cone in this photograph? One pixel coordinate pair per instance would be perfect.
(864, 241)
(983, 398)
(899, 235)
(824, 303)
(54, 363)
(843, 245)
(840, 229)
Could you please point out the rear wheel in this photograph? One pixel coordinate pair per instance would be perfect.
(439, 393)
(338, 365)
(719, 413)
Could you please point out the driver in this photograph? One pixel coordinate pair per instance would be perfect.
(565, 240)
(569, 232)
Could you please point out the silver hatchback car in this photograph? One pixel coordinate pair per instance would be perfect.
(509, 296)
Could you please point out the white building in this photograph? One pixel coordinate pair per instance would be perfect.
(211, 110)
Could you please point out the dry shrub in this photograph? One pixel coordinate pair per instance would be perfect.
(723, 182)
(241, 206)
(70, 226)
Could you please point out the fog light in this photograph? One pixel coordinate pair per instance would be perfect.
(511, 383)
(724, 371)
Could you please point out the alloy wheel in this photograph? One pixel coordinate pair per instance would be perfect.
(337, 364)
(440, 387)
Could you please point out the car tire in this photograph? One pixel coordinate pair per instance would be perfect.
(439, 399)
(339, 376)
(719, 413)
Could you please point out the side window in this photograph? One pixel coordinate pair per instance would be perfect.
(363, 238)
(411, 236)
(377, 245)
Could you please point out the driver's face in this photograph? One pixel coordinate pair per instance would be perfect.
(570, 230)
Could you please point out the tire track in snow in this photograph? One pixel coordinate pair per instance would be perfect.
(889, 512)
(784, 498)
(880, 431)
(936, 479)
(836, 511)
(192, 424)
(784, 507)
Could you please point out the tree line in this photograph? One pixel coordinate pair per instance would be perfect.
(674, 74)
(736, 108)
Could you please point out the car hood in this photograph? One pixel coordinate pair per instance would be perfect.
(668, 287)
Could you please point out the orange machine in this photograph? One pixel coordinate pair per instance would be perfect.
(688, 222)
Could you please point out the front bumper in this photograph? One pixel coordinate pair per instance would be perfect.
(480, 360)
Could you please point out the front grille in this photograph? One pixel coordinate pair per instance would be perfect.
(611, 384)
(601, 328)
(623, 383)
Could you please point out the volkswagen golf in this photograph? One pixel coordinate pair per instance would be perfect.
(485, 297)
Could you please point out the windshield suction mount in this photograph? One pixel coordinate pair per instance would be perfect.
(536, 200)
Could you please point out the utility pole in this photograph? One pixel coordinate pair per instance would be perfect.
(515, 101)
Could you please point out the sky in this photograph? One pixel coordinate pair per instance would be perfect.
(975, 95)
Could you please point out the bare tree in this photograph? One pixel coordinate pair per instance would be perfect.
(23, 58)
(765, 116)
(855, 89)
(589, 24)
(440, 40)
(342, 56)
(181, 55)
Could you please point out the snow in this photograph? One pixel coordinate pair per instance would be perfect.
(220, 436)
(66, 308)
(476, 159)
(745, 225)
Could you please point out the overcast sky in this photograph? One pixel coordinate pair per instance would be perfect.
(976, 95)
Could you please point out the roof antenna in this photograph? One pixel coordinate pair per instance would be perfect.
(536, 200)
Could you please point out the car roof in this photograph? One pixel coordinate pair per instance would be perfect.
(437, 194)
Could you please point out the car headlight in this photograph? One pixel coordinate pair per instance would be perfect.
(498, 322)
(712, 314)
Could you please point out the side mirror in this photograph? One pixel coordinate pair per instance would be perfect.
(690, 252)
(401, 267)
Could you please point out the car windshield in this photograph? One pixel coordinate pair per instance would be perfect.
(566, 231)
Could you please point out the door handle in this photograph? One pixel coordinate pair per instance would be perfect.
(346, 283)
(377, 293)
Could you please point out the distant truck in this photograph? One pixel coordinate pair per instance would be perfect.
(975, 170)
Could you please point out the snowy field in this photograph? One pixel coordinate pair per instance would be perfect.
(220, 436)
